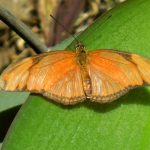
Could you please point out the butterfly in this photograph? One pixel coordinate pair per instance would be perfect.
(70, 77)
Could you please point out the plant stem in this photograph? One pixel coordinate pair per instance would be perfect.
(22, 30)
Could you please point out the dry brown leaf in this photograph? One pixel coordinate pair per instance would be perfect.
(45, 8)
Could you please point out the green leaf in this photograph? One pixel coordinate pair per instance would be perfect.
(0, 145)
(8, 104)
(122, 124)
(9, 100)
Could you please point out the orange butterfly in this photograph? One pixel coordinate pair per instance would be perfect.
(71, 77)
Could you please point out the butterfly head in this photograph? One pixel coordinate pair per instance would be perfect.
(80, 47)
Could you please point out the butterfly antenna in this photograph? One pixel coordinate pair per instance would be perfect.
(63, 27)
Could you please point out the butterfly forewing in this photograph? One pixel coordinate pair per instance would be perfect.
(56, 75)
(113, 73)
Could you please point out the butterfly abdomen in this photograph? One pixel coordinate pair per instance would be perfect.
(86, 80)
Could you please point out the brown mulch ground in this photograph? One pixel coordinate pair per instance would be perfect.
(75, 15)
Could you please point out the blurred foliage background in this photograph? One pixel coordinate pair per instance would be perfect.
(75, 15)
